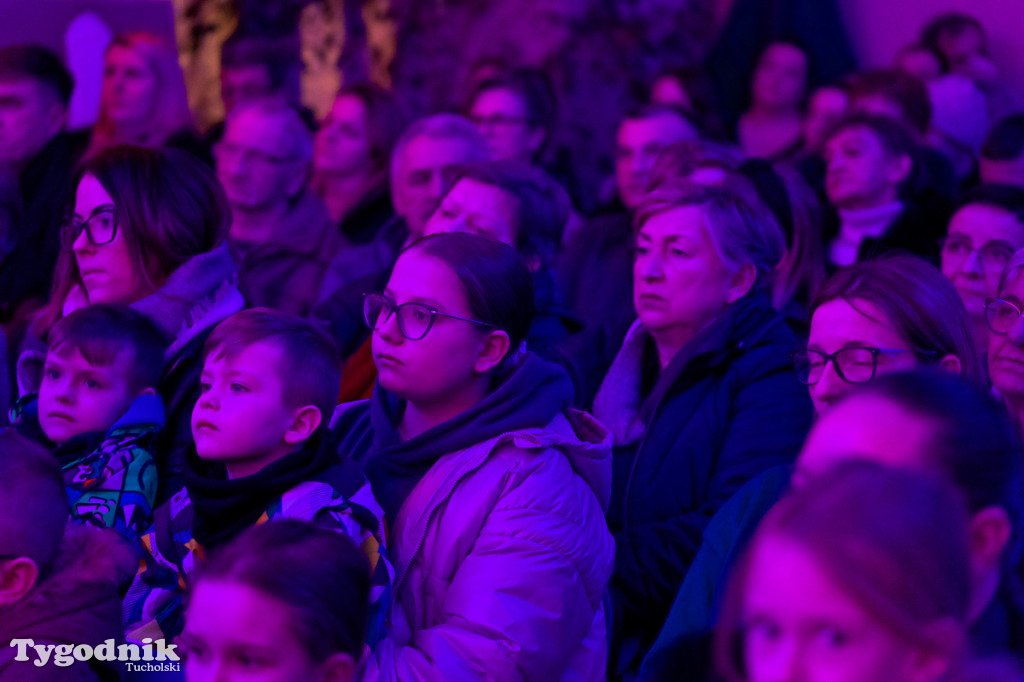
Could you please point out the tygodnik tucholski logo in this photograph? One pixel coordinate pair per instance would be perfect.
(137, 658)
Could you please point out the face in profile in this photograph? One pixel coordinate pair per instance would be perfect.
(447, 359)
(680, 284)
(77, 397)
(780, 77)
(477, 208)
(1006, 351)
(129, 87)
(800, 624)
(638, 144)
(108, 271)
(343, 143)
(838, 325)
(980, 242)
(860, 171)
(235, 633)
(425, 173)
(502, 118)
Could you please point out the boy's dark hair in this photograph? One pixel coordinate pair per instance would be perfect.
(1005, 141)
(311, 366)
(102, 331)
(1005, 197)
(497, 284)
(974, 442)
(320, 574)
(39, 64)
(544, 206)
(895, 85)
(36, 505)
(278, 56)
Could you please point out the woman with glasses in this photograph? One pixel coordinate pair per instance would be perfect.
(493, 489)
(1006, 338)
(881, 316)
(147, 229)
(984, 232)
(700, 397)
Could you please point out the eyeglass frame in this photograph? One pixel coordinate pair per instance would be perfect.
(80, 225)
(972, 250)
(833, 357)
(989, 301)
(396, 307)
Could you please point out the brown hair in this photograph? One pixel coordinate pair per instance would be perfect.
(893, 540)
(920, 303)
(103, 331)
(310, 369)
(901, 88)
(318, 573)
(168, 205)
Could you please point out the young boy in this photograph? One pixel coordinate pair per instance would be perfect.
(98, 412)
(57, 586)
(269, 383)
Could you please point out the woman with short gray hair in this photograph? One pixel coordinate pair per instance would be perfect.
(701, 396)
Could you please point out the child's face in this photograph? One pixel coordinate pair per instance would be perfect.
(240, 418)
(234, 632)
(78, 397)
(799, 624)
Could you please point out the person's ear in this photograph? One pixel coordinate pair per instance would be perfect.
(899, 168)
(933, 662)
(742, 283)
(17, 578)
(494, 349)
(951, 363)
(149, 390)
(305, 421)
(989, 534)
(339, 668)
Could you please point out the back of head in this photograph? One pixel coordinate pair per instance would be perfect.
(921, 304)
(543, 204)
(894, 541)
(975, 445)
(37, 63)
(742, 232)
(32, 488)
(103, 331)
(898, 87)
(310, 370)
(169, 203)
(1005, 141)
(319, 574)
(498, 286)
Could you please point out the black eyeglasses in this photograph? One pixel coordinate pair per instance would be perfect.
(100, 228)
(854, 365)
(414, 319)
(1001, 315)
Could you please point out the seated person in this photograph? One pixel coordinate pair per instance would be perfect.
(97, 410)
(58, 585)
(985, 231)
(1002, 154)
(281, 236)
(862, 574)
(704, 369)
(773, 125)
(304, 612)
(869, 165)
(262, 452)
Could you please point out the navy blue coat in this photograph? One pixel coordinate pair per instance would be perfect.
(730, 407)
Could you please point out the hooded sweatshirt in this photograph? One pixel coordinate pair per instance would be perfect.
(498, 533)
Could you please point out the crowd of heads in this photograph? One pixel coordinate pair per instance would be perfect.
(889, 246)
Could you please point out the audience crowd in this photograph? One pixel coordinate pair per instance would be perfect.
(374, 398)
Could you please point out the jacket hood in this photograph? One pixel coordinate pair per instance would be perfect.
(78, 602)
(588, 446)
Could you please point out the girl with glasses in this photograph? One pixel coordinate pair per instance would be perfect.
(494, 489)
(881, 316)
